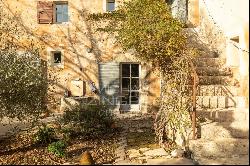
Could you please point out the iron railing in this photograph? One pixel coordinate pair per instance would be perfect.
(194, 92)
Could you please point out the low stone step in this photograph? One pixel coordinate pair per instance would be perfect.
(215, 130)
(217, 90)
(209, 62)
(219, 148)
(213, 156)
(235, 160)
(220, 102)
(213, 71)
(204, 53)
(172, 161)
(224, 115)
(215, 80)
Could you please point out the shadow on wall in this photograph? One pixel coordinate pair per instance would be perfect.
(58, 88)
(71, 39)
(228, 132)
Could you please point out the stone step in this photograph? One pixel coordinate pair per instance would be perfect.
(206, 152)
(217, 90)
(220, 102)
(204, 53)
(224, 115)
(215, 80)
(171, 161)
(235, 160)
(209, 62)
(213, 71)
(214, 130)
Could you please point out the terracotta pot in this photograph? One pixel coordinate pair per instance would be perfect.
(86, 159)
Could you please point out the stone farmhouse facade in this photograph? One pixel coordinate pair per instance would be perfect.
(90, 64)
(86, 64)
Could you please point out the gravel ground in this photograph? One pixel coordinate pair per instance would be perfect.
(20, 149)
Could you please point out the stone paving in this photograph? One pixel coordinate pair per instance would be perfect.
(137, 145)
(120, 151)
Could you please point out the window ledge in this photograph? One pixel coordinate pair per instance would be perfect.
(61, 23)
(54, 65)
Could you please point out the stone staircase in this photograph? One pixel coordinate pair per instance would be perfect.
(224, 132)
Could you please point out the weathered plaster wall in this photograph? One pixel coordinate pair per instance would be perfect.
(217, 23)
(73, 38)
(193, 12)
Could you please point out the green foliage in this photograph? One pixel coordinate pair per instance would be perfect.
(44, 135)
(174, 117)
(170, 146)
(57, 148)
(23, 85)
(23, 82)
(89, 119)
(148, 28)
(67, 134)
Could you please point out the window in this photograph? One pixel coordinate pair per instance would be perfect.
(61, 12)
(110, 5)
(56, 58)
(52, 12)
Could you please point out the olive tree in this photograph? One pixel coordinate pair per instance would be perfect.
(23, 82)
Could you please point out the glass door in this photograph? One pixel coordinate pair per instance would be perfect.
(130, 85)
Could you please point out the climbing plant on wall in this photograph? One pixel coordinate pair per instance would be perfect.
(148, 28)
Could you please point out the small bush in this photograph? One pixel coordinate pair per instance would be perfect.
(89, 119)
(45, 135)
(66, 134)
(57, 148)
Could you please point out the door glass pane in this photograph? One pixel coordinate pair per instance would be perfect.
(134, 70)
(135, 84)
(110, 5)
(134, 97)
(130, 83)
(125, 83)
(125, 97)
(125, 70)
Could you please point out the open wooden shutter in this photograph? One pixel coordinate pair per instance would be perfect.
(44, 12)
(109, 82)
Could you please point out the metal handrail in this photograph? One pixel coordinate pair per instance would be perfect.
(194, 92)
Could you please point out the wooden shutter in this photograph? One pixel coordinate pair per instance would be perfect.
(44, 12)
(109, 76)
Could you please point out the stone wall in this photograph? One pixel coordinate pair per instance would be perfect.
(82, 48)
(223, 27)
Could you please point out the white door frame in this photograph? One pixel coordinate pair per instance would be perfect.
(130, 107)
